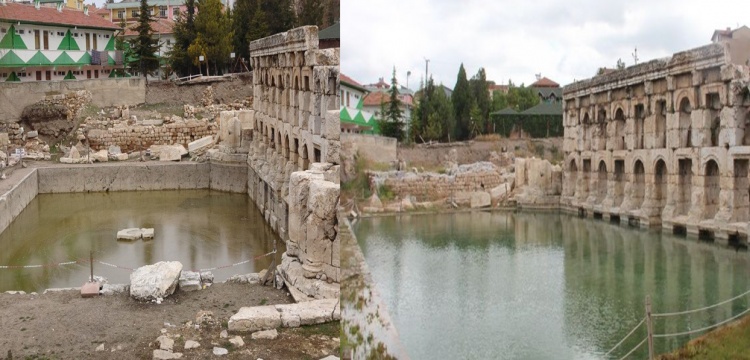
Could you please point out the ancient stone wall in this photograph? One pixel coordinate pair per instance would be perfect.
(15, 97)
(663, 143)
(481, 176)
(293, 144)
(138, 137)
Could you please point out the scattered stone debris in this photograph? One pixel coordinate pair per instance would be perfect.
(218, 351)
(237, 341)
(257, 318)
(265, 335)
(155, 282)
(166, 355)
(190, 281)
(190, 344)
(100, 347)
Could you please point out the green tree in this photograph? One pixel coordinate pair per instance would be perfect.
(258, 24)
(518, 98)
(432, 118)
(480, 92)
(243, 15)
(214, 31)
(144, 46)
(391, 124)
(184, 33)
(462, 102)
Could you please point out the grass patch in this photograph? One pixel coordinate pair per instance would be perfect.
(359, 186)
(263, 301)
(385, 193)
(728, 342)
(331, 329)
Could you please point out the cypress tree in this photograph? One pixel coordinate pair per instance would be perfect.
(462, 102)
(144, 47)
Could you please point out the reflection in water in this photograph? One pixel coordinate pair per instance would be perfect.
(541, 286)
(200, 228)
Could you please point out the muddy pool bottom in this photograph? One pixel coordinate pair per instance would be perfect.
(202, 229)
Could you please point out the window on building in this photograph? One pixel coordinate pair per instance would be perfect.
(152, 12)
(134, 13)
(175, 12)
(60, 33)
(106, 36)
(162, 11)
(75, 34)
(4, 75)
(19, 31)
(121, 14)
(3, 30)
(169, 42)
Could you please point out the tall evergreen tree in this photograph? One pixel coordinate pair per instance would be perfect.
(311, 13)
(391, 125)
(184, 33)
(462, 102)
(279, 15)
(258, 24)
(144, 47)
(243, 14)
(480, 91)
(432, 119)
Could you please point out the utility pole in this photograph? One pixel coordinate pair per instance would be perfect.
(426, 65)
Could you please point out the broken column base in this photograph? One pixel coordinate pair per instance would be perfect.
(303, 288)
(90, 289)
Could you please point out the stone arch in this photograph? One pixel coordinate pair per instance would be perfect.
(279, 143)
(285, 146)
(684, 186)
(586, 122)
(601, 120)
(304, 157)
(639, 184)
(619, 124)
(660, 184)
(572, 172)
(660, 119)
(711, 189)
(601, 181)
(685, 125)
(715, 127)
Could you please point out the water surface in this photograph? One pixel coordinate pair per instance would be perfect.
(200, 228)
(541, 286)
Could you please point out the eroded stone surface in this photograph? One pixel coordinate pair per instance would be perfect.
(157, 281)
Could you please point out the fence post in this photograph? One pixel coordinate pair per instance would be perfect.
(649, 329)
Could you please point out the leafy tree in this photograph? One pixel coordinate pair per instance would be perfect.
(144, 47)
(480, 91)
(331, 13)
(432, 118)
(518, 98)
(184, 33)
(214, 34)
(620, 64)
(462, 102)
(391, 124)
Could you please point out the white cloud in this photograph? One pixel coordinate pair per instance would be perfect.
(517, 39)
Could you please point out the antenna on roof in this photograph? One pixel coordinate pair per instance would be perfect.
(635, 55)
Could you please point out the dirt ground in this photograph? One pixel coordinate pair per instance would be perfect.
(62, 325)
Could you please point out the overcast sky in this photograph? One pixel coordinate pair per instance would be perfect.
(562, 40)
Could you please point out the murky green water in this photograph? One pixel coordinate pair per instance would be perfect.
(200, 228)
(542, 286)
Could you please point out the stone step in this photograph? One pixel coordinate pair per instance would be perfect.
(257, 318)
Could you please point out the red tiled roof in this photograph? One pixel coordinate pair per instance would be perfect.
(381, 84)
(545, 82)
(375, 98)
(349, 80)
(50, 16)
(160, 26)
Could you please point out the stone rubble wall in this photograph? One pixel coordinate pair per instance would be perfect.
(235, 88)
(538, 183)
(293, 134)
(15, 97)
(433, 186)
(138, 137)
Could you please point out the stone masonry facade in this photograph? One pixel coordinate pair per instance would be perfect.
(293, 147)
(664, 143)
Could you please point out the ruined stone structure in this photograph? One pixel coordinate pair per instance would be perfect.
(664, 143)
(293, 154)
(139, 137)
